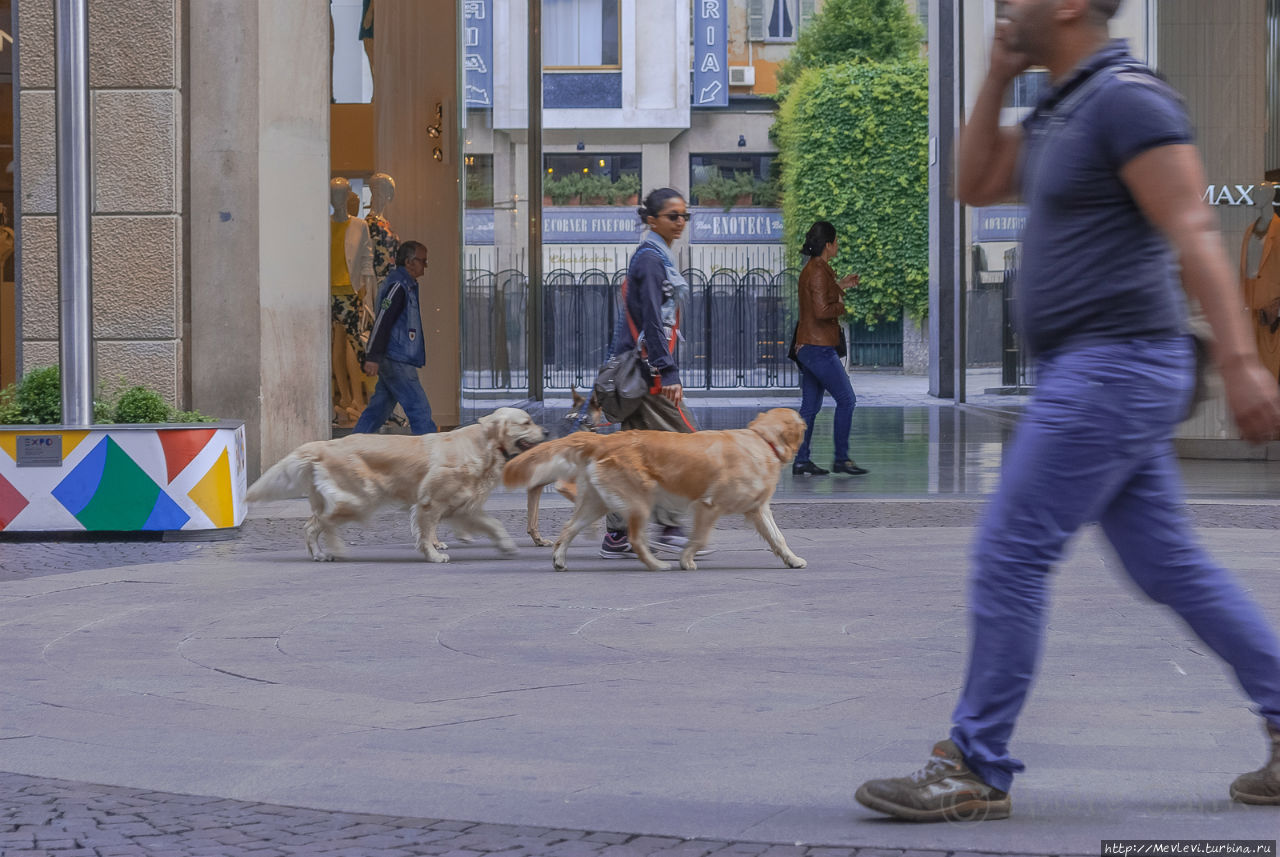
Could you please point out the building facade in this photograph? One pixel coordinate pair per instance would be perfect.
(218, 125)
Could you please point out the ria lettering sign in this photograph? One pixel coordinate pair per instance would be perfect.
(710, 53)
(1236, 194)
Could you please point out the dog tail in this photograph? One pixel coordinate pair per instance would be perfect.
(289, 477)
(549, 462)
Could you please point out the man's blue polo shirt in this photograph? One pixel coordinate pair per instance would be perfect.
(1093, 268)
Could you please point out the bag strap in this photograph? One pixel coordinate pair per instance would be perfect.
(635, 333)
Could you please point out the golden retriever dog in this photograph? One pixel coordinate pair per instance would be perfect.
(716, 472)
(585, 416)
(438, 477)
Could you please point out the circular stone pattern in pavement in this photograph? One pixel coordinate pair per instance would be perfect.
(740, 701)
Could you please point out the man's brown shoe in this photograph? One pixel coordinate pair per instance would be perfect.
(943, 790)
(1261, 787)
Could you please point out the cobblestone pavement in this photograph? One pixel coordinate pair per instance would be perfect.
(60, 819)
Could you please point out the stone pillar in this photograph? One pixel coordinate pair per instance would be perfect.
(136, 111)
(258, 161)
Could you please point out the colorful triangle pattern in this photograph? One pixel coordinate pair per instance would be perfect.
(213, 493)
(181, 446)
(11, 502)
(107, 490)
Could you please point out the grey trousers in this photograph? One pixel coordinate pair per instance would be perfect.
(658, 414)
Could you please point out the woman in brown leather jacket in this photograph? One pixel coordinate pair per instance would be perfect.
(817, 335)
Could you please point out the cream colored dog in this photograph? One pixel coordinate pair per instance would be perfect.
(436, 476)
(717, 472)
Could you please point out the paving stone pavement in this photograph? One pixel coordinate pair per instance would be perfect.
(60, 819)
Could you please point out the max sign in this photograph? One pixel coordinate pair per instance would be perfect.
(1230, 194)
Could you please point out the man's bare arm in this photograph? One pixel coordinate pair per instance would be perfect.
(1167, 183)
(987, 154)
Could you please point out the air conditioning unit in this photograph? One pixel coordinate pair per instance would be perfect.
(742, 75)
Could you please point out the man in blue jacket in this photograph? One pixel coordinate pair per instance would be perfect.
(396, 350)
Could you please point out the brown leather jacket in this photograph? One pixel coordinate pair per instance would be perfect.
(821, 305)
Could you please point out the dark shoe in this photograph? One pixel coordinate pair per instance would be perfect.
(672, 542)
(616, 546)
(849, 466)
(807, 468)
(1261, 787)
(943, 790)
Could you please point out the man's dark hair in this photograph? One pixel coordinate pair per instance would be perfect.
(406, 251)
(1104, 10)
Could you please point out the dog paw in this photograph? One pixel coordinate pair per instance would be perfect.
(541, 542)
(508, 548)
(796, 562)
(441, 546)
(660, 566)
(559, 563)
(688, 565)
(436, 556)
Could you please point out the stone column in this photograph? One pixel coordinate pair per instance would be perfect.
(258, 161)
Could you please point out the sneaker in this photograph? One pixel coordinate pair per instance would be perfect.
(849, 466)
(616, 546)
(1261, 787)
(672, 541)
(943, 790)
(807, 468)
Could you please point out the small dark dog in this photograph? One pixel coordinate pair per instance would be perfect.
(585, 416)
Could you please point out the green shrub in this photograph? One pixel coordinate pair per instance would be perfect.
(10, 413)
(140, 405)
(190, 417)
(879, 31)
(37, 400)
(39, 397)
(853, 141)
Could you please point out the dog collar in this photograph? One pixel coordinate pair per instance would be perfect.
(776, 451)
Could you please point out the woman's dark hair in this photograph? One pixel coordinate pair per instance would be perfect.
(817, 238)
(654, 202)
(406, 250)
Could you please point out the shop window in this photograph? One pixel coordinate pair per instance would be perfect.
(595, 179)
(782, 18)
(732, 178)
(580, 34)
(1028, 88)
(479, 181)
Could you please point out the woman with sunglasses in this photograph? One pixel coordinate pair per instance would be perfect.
(650, 317)
(817, 351)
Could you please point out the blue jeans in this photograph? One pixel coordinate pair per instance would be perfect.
(397, 382)
(821, 370)
(1095, 444)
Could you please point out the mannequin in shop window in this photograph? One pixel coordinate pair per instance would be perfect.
(1260, 274)
(382, 189)
(350, 278)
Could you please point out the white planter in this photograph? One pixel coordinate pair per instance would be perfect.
(122, 478)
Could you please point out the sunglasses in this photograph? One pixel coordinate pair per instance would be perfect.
(675, 216)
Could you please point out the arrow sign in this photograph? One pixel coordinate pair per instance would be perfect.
(710, 54)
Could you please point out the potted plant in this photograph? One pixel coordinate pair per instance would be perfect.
(140, 466)
(767, 193)
(626, 190)
(479, 191)
(595, 188)
(564, 190)
(743, 186)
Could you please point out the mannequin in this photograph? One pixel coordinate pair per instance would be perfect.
(350, 277)
(385, 242)
(1260, 275)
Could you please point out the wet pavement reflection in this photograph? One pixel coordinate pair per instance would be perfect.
(921, 451)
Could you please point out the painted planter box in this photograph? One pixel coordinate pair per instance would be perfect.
(122, 478)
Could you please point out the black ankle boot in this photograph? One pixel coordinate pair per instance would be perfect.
(803, 468)
(850, 467)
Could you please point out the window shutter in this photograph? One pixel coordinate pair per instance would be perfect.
(755, 20)
(807, 8)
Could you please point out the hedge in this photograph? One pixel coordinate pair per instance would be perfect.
(853, 142)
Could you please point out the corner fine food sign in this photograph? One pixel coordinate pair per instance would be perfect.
(39, 450)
